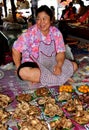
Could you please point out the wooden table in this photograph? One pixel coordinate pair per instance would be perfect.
(81, 31)
(70, 27)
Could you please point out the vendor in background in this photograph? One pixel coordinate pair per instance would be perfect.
(83, 14)
(82, 10)
(64, 12)
(72, 14)
(39, 53)
(69, 12)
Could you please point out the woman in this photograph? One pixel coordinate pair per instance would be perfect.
(39, 53)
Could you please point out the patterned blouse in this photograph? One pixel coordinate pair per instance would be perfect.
(28, 43)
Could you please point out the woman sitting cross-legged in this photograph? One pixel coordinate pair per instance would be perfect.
(39, 53)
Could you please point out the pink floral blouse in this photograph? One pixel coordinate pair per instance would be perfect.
(28, 43)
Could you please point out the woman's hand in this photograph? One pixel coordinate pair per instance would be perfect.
(57, 70)
(60, 57)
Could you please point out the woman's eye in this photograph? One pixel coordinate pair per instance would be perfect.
(44, 19)
(41, 19)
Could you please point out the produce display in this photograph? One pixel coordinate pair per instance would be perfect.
(54, 108)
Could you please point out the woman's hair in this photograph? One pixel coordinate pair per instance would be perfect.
(46, 9)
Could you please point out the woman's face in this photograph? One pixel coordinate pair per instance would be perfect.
(43, 22)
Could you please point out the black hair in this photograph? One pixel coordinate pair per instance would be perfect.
(46, 9)
(52, 7)
(71, 4)
(81, 3)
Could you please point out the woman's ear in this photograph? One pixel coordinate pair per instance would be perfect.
(52, 21)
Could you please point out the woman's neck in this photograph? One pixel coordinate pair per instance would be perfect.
(45, 33)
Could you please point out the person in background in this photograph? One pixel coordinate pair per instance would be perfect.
(83, 15)
(72, 14)
(69, 12)
(82, 10)
(64, 12)
(39, 53)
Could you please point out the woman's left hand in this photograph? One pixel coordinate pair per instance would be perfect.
(57, 70)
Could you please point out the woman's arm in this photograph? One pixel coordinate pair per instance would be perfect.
(60, 57)
(16, 57)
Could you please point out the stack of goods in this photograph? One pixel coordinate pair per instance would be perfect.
(52, 108)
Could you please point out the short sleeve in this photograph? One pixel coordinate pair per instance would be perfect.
(21, 43)
(59, 41)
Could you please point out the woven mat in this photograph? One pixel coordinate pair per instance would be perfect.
(11, 85)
